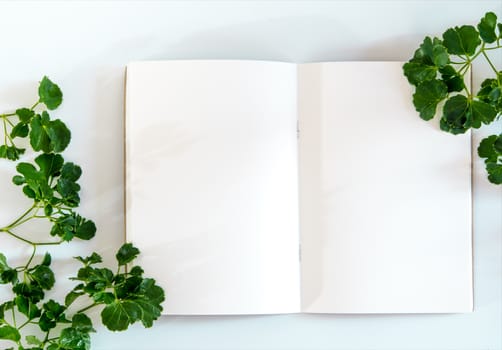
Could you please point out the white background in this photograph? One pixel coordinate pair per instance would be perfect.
(84, 46)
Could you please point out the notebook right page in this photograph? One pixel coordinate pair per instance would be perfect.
(385, 197)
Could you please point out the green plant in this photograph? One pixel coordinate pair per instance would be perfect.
(438, 70)
(50, 182)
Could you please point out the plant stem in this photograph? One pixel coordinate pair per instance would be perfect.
(87, 308)
(28, 241)
(15, 222)
(491, 65)
(4, 132)
(31, 257)
(14, 318)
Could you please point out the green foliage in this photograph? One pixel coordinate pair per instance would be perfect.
(491, 150)
(427, 96)
(51, 183)
(50, 94)
(437, 71)
(126, 254)
(128, 296)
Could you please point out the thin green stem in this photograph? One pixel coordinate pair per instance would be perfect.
(14, 318)
(493, 48)
(464, 67)
(8, 121)
(31, 257)
(4, 132)
(46, 337)
(18, 237)
(14, 223)
(28, 241)
(24, 324)
(36, 104)
(87, 307)
(491, 65)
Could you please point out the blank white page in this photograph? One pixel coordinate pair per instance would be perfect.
(385, 198)
(212, 184)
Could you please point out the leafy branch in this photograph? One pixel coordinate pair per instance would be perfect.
(438, 69)
(125, 296)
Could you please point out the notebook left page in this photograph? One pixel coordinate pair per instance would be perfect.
(211, 183)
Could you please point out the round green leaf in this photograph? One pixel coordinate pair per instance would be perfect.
(487, 26)
(427, 96)
(49, 93)
(461, 40)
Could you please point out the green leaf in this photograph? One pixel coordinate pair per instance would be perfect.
(7, 274)
(5, 307)
(9, 333)
(86, 229)
(47, 260)
(424, 65)
(94, 258)
(440, 55)
(82, 323)
(453, 80)
(481, 113)
(25, 114)
(18, 180)
(418, 72)
(424, 52)
(20, 130)
(119, 315)
(49, 93)
(461, 40)
(126, 254)
(3, 263)
(71, 297)
(494, 173)
(50, 164)
(150, 303)
(27, 307)
(96, 279)
(48, 135)
(11, 152)
(53, 313)
(44, 276)
(32, 340)
(48, 209)
(68, 191)
(39, 139)
(136, 271)
(487, 26)
(33, 291)
(427, 96)
(59, 135)
(104, 297)
(455, 118)
(71, 172)
(137, 302)
(498, 144)
(29, 192)
(73, 225)
(491, 93)
(28, 171)
(74, 339)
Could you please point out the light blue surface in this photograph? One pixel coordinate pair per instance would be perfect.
(84, 46)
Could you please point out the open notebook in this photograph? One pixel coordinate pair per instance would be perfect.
(257, 187)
